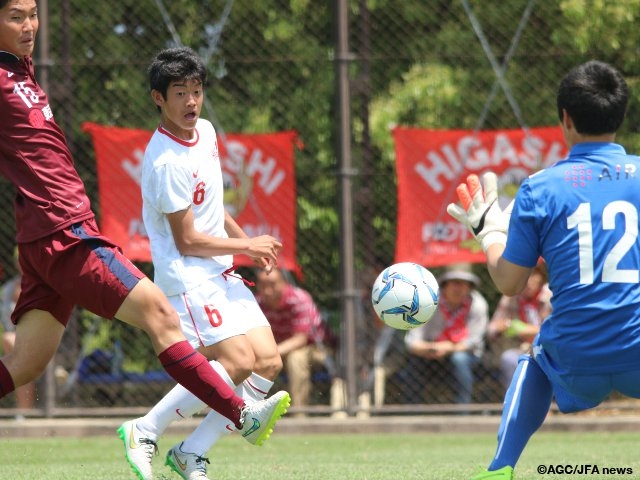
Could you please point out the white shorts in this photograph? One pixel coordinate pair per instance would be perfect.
(217, 309)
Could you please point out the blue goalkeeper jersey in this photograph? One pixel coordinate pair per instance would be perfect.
(581, 216)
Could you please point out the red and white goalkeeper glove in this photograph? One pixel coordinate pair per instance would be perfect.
(480, 211)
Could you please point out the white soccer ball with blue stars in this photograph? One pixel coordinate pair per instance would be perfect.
(405, 295)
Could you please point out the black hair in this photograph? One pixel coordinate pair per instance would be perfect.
(595, 96)
(3, 3)
(171, 64)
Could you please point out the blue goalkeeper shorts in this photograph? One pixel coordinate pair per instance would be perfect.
(574, 393)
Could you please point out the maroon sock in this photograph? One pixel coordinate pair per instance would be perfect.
(192, 370)
(6, 382)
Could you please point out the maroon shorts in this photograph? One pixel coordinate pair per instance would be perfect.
(74, 266)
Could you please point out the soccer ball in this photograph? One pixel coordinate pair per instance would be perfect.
(405, 295)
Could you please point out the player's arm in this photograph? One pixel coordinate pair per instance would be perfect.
(508, 277)
(234, 230)
(190, 241)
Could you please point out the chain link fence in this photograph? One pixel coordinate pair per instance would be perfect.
(273, 64)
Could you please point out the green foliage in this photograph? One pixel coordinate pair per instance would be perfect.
(599, 27)
(429, 96)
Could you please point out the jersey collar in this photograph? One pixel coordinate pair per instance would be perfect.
(186, 143)
(596, 147)
(7, 57)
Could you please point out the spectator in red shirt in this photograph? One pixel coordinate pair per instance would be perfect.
(301, 334)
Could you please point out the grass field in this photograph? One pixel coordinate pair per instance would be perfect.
(327, 457)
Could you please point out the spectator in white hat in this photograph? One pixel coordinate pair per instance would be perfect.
(453, 338)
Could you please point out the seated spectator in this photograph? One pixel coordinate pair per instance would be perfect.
(516, 321)
(454, 337)
(25, 395)
(302, 336)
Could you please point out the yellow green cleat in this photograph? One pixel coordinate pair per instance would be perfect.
(505, 473)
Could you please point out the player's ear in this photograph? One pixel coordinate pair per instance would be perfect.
(567, 121)
(157, 98)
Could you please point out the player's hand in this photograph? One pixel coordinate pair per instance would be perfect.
(265, 250)
(260, 262)
(264, 264)
(479, 210)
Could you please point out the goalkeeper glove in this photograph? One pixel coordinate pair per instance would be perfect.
(480, 211)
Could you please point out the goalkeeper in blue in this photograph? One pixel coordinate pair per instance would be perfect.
(580, 215)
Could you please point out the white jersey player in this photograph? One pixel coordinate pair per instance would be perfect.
(193, 240)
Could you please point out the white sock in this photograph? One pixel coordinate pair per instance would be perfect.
(255, 388)
(212, 428)
(179, 403)
(215, 426)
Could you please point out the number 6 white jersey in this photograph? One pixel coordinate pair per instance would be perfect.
(176, 175)
(581, 216)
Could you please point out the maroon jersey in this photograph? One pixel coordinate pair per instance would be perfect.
(34, 156)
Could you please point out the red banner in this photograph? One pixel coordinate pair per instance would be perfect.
(431, 163)
(259, 187)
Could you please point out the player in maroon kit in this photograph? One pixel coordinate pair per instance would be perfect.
(65, 259)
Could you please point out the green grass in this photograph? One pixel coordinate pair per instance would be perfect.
(320, 457)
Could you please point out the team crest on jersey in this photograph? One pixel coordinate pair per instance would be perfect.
(36, 118)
